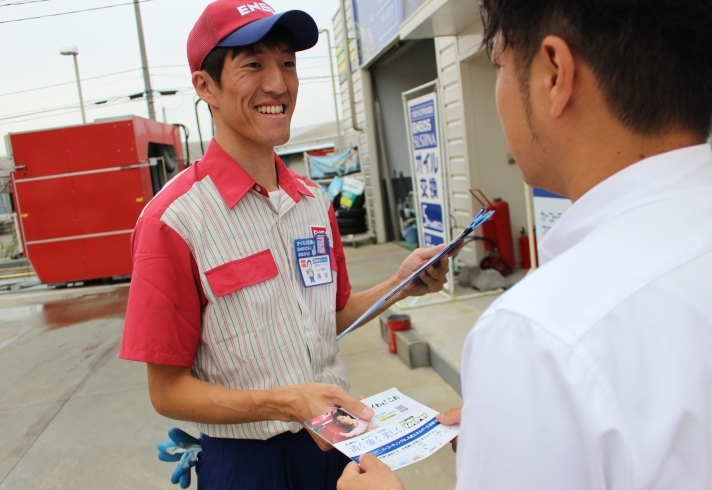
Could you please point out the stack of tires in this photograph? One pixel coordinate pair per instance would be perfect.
(351, 221)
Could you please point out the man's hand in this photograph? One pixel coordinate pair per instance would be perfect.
(451, 417)
(432, 279)
(372, 475)
(323, 445)
(304, 402)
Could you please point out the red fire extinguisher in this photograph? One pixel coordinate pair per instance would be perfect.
(498, 229)
(524, 250)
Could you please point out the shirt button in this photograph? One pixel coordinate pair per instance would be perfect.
(258, 188)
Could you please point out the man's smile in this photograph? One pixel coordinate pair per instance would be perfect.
(270, 109)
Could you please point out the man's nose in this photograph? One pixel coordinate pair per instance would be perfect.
(274, 81)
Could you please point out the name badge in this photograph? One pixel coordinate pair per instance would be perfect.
(314, 260)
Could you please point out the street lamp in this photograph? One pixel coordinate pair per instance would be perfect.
(73, 51)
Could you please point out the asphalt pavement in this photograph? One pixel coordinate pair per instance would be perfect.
(72, 415)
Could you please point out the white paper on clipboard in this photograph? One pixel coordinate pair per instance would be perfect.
(481, 217)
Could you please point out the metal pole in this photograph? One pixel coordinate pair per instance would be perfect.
(79, 88)
(333, 89)
(197, 122)
(352, 98)
(144, 63)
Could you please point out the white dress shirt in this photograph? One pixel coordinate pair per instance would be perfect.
(595, 372)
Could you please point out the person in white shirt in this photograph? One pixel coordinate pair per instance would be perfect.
(595, 372)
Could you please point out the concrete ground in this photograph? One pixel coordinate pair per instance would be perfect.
(72, 415)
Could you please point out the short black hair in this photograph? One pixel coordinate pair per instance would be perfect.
(652, 58)
(277, 38)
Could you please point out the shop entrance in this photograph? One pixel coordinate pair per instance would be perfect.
(408, 65)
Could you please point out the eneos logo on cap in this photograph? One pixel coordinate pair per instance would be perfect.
(251, 7)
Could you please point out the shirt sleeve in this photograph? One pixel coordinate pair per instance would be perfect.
(343, 286)
(535, 414)
(163, 315)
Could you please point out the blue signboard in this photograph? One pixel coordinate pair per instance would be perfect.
(428, 171)
(432, 217)
(422, 117)
(377, 22)
(548, 208)
(432, 240)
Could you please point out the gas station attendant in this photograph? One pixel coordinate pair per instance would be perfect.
(236, 340)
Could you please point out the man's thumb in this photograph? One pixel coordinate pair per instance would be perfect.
(451, 417)
(369, 462)
(357, 408)
(351, 469)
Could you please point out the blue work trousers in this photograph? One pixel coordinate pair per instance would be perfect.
(285, 462)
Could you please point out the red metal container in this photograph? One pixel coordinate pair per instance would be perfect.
(396, 323)
(524, 250)
(79, 190)
(498, 229)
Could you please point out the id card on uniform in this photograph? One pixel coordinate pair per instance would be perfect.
(314, 260)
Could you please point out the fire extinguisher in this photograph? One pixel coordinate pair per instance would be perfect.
(499, 228)
(524, 249)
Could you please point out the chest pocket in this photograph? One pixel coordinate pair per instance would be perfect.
(240, 273)
(241, 290)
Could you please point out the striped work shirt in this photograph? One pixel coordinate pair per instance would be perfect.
(215, 285)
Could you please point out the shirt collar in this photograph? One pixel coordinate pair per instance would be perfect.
(649, 180)
(233, 182)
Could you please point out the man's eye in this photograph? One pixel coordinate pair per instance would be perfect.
(254, 64)
(290, 64)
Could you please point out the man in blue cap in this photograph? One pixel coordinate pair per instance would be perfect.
(235, 340)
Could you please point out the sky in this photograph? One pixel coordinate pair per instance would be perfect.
(38, 86)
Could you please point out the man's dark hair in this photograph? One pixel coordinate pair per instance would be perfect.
(277, 38)
(652, 58)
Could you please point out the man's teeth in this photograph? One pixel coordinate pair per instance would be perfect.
(270, 109)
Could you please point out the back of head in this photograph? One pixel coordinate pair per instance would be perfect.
(652, 58)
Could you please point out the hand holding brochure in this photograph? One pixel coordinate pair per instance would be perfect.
(401, 432)
(481, 217)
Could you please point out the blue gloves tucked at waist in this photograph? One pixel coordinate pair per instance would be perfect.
(181, 447)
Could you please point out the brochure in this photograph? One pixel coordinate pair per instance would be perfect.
(401, 432)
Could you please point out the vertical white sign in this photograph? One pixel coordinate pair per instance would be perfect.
(548, 208)
(428, 170)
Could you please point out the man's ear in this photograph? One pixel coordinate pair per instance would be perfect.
(205, 87)
(559, 71)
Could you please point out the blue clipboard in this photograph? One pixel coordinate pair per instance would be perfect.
(477, 221)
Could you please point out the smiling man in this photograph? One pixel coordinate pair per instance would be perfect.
(238, 334)
(595, 372)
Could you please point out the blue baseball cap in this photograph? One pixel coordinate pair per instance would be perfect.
(233, 23)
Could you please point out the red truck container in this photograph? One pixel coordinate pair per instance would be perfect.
(79, 190)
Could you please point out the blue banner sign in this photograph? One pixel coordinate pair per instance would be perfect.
(428, 171)
(377, 22)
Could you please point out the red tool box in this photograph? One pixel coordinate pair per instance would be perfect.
(79, 190)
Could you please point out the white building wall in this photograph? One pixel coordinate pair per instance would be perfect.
(491, 167)
(360, 130)
(461, 208)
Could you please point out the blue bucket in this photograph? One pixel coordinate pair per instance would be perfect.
(411, 234)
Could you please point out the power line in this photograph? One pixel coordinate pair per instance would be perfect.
(25, 2)
(67, 83)
(87, 105)
(72, 12)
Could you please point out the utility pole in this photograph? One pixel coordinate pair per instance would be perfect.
(333, 89)
(144, 63)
